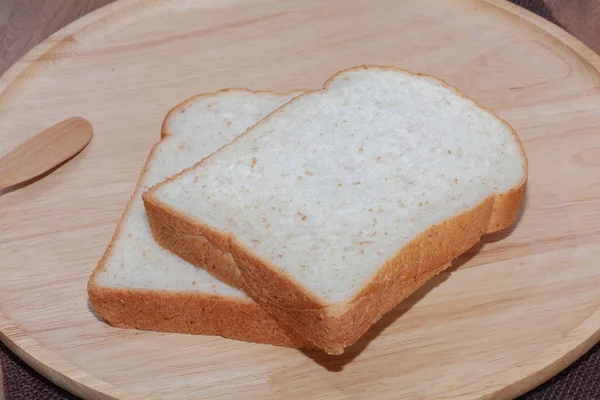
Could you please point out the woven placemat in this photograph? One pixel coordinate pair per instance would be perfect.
(581, 381)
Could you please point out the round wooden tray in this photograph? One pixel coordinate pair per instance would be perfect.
(511, 313)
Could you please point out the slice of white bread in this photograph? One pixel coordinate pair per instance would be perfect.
(344, 201)
(138, 284)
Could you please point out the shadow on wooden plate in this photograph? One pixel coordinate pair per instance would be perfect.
(337, 363)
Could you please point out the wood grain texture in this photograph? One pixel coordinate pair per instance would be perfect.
(512, 312)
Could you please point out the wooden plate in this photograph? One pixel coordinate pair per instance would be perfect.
(512, 313)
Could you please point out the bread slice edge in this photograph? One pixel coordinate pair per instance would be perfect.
(191, 313)
(185, 312)
(333, 327)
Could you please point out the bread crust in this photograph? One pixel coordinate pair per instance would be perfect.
(334, 327)
(190, 313)
(186, 312)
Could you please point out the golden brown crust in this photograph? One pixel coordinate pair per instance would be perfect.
(212, 250)
(334, 327)
(198, 313)
(506, 209)
(173, 230)
(190, 313)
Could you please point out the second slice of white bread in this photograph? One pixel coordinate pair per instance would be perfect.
(344, 201)
(138, 284)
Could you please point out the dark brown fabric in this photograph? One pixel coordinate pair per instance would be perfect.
(581, 381)
(538, 7)
(17, 17)
(23, 383)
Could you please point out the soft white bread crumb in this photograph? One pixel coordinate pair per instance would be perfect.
(134, 260)
(337, 182)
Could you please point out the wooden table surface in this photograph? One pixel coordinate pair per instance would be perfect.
(24, 23)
